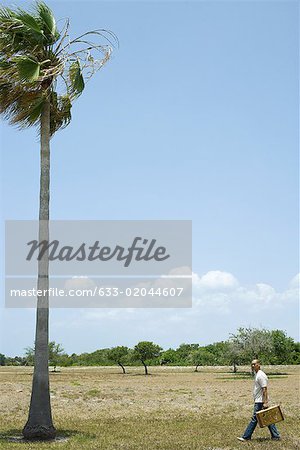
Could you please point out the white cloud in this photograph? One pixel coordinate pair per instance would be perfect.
(215, 280)
(216, 293)
(220, 305)
(220, 292)
(79, 283)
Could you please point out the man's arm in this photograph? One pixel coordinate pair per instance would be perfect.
(265, 397)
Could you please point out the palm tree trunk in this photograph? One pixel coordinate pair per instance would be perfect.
(39, 424)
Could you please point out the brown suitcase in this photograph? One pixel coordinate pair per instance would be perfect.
(269, 416)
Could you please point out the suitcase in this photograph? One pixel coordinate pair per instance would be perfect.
(269, 416)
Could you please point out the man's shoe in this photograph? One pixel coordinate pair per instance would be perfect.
(276, 439)
(243, 439)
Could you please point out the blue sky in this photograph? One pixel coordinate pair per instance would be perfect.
(195, 117)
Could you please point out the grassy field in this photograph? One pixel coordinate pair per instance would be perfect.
(173, 408)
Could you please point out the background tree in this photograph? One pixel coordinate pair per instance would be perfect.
(220, 352)
(184, 352)
(118, 355)
(234, 353)
(40, 76)
(145, 351)
(55, 353)
(168, 356)
(250, 343)
(202, 357)
(283, 347)
(295, 355)
(2, 359)
(29, 356)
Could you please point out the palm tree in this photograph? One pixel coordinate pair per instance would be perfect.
(42, 71)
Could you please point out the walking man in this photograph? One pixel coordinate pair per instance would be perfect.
(260, 394)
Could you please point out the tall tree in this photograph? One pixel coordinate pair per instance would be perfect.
(42, 71)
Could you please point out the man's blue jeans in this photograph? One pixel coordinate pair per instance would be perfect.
(253, 422)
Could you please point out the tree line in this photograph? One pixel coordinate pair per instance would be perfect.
(271, 347)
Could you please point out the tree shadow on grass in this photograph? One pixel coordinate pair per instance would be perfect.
(14, 436)
(248, 375)
(132, 374)
(142, 374)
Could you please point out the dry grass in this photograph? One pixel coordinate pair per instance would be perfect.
(173, 408)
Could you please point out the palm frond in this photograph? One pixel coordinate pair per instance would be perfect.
(39, 62)
(47, 21)
(60, 112)
(5, 13)
(76, 78)
(21, 108)
(28, 68)
(112, 39)
(19, 31)
(29, 116)
(28, 21)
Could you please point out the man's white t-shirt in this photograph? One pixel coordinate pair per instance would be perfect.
(260, 381)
